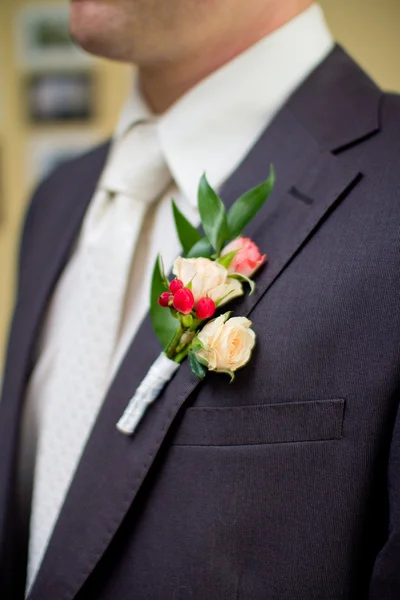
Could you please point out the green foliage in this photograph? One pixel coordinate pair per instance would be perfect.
(231, 374)
(197, 345)
(227, 259)
(247, 206)
(213, 216)
(164, 324)
(203, 249)
(197, 368)
(244, 279)
(188, 235)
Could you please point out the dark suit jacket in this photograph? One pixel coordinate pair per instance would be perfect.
(286, 484)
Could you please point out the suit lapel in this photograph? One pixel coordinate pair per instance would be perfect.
(41, 270)
(311, 181)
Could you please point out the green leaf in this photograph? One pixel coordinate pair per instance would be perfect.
(197, 368)
(162, 272)
(244, 279)
(201, 249)
(197, 345)
(247, 206)
(188, 235)
(230, 373)
(196, 323)
(224, 299)
(202, 360)
(164, 324)
(227, 259)
(213, 215)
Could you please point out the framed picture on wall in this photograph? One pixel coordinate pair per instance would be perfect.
(56, 97)
(43, 40)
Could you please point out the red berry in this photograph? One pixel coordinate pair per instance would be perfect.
(164, 299)
(184, 301)
(175, 285)
(205, 308)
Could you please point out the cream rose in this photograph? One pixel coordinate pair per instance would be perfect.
(227, 343)
(208, 278)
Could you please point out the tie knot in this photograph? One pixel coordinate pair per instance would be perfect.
(136, 167)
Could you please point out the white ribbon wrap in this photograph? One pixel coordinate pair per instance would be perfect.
(152, 385)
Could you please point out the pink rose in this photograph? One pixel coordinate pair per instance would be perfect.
(247, 259)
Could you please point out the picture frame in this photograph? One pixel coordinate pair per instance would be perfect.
(56, 97)
(43, 39)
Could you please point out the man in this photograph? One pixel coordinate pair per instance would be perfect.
(284, 485)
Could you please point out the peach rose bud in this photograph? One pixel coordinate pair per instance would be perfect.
(227, 343)
(248, 257)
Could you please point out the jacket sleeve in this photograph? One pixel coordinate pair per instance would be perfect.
(385, 583)
(31, 229)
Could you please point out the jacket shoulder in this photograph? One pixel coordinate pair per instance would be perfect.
(390, 110)
(72, 168)
(64, 177)
(59, 192)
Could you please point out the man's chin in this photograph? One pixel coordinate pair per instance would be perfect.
(91, 25)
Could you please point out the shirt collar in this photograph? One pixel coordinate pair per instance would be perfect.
(135, 110)
(214, 125)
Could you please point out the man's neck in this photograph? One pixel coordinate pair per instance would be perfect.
(162, 85)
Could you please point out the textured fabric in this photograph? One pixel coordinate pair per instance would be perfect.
(88, 331)
(196, 135)
(309, 512)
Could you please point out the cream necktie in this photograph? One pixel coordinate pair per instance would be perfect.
(135, 177)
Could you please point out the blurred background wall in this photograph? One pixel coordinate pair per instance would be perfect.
(55, 102)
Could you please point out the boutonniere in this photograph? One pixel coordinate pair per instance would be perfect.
(214, 269)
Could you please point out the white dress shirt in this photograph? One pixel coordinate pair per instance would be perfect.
(210, 129)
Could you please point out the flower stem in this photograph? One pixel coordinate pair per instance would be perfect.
(182, 355)
(170, 351)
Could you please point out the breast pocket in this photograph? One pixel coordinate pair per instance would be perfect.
(279, 423)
